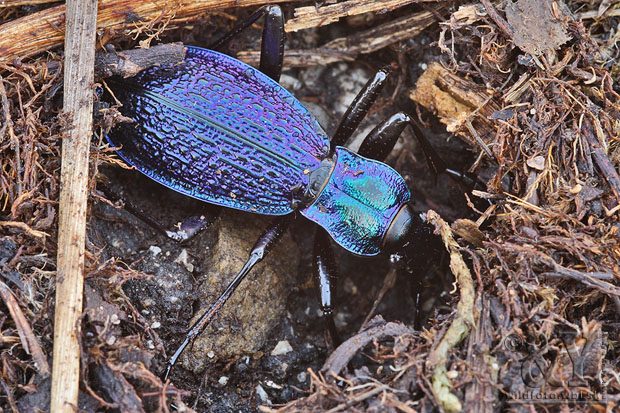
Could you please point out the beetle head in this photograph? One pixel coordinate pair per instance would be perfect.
(407, 228)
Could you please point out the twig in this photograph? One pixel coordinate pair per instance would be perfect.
(29, 340)
(130, 62)
(591, 279)
(602, 160)
(341, 356)
(8, 123)
(461, 325)
(311, 16)
(388, 283)
(24, 227)
(358, 398)
(78, 105)
(42, 31)
(348, 48)
(15, 3)
(499, 20)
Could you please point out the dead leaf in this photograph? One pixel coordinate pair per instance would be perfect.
(539, 25)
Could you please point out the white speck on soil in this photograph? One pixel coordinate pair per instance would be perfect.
(281, 348)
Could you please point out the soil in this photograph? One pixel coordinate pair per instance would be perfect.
(464, 324)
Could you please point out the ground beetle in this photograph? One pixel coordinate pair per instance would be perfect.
(221, 131)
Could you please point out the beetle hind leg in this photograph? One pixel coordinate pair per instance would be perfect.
(272, 44)
(185, 230)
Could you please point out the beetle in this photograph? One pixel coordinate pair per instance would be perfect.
(218, 130)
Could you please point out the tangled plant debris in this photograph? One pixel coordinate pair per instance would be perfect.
(534, 310)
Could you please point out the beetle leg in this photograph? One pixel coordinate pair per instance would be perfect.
(272, 44)
(381, 140)
(186, 229)
(467, 180)
(324, 267)
(359, 108)
(262, 247)
(239, 27)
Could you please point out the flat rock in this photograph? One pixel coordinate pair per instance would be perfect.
(246, 320)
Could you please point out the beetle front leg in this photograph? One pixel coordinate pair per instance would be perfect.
(359, 108)
(324, 266)
(381, 140)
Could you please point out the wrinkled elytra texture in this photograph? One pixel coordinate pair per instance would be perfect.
(219, 130)
(359, 202)
(250, 314)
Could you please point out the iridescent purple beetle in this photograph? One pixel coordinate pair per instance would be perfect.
(219, 130)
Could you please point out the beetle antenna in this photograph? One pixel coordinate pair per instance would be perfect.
(262, 247)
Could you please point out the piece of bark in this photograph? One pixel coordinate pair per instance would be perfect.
(481, 393)
(458, 103)
(539, 26)
(116, 387)
(311, 16)
(29, 340)
(130, 62)
(43, 30)
(378, 329)
(78, 106)
(601, 159)
(348, 48)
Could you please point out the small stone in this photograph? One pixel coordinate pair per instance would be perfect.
(223, 380)
(301, 377)
(262, 394)
(290, 83)
(281, 348)
(183, 259)
(537, 162)
(155, 250)
(156, 324)
(273, 385)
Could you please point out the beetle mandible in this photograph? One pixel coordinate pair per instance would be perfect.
(221, 131)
